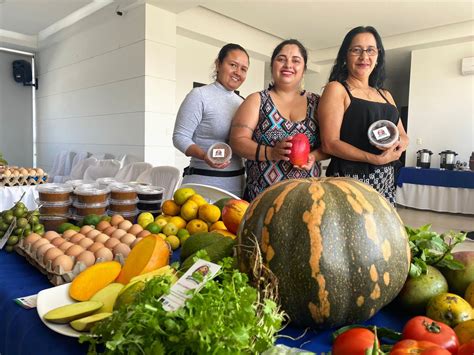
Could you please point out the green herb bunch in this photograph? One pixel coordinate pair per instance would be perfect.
(430, 248)
(224, 317)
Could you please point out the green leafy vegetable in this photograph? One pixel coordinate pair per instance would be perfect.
(224, 317)
(430, 248)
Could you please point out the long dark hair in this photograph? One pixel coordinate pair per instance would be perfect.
(302, 49)
(339, 71)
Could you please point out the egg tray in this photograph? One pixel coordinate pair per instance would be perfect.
(23, 180)
(58, 276)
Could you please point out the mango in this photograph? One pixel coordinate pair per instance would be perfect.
(70, 312)
(107, 296)
(458, 280)
(86, 323)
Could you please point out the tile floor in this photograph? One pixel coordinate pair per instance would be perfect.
(441, 222)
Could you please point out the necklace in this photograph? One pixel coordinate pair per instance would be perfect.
(367, 93)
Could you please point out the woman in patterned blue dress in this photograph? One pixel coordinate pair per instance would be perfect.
(263, 127)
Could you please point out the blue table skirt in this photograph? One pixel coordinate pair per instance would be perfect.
(436, 177)
(23, 333)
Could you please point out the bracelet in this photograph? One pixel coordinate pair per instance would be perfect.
(266, 157)
(257, 152)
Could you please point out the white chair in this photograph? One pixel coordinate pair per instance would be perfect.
(58, 165)
(210, 193)
(78, 170)
(126, 159)
(103, 156)
(103, 168)
(132, 171)
(72, 159)
(168, 177)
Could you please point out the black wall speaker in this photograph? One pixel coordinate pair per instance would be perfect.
(22, 71)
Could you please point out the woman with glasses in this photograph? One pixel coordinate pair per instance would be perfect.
(353, 99)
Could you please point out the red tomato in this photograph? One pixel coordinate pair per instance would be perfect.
(418, 347)
(424, 328)
(355, 341)
(467, 349)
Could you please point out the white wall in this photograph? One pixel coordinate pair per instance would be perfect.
(441, 100)
(195, 62)
(92, 86)
(16, 130)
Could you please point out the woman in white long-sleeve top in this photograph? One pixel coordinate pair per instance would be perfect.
(204, 118)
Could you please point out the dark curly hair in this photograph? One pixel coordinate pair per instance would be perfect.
(339, 71)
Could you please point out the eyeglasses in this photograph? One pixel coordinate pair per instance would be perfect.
(358, 51)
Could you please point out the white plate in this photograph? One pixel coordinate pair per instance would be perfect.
(210, 193)
(51, 298)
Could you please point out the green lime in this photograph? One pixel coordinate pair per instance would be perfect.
(37, 227)
(91, 219)
(21, 222)
(20, 205)
(153, 228)
(8, 217)
(34, 220)
(18, 231)
(9, 248)
(3, 226)
(12, 240)
(19, 212)
(27, 231)
(64, 227)
(182, 233)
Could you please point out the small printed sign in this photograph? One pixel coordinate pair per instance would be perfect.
(180, 291)
(381, 133)
(26, 302)
(218, 153)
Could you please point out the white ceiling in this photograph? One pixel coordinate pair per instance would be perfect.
(318, 24)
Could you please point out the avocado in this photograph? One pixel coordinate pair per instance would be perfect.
(198, 241)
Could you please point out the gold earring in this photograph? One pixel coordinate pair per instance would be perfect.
(302, 84)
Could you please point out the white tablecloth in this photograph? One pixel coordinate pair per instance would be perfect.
(436, 198)
(11, 194)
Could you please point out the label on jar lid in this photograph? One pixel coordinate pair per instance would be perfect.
(381, 133)
(218, 153)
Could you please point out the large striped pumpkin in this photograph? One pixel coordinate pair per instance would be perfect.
(337, 248)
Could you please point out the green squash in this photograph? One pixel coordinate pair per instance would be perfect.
(338, 249)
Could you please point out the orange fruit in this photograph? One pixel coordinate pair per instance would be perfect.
(198, 199)
(170, 208)
(217, 225)
(178, 221)
(196, 225)
(189, 210)
(209, 213)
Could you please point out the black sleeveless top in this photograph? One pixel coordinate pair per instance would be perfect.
(356, 121)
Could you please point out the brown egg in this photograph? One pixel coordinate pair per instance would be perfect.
(58, 241)
(96, 246)
(68, 234)
(109, 230)
(63, 262)
(135, 242)
(38, 243)
(86, 257)
(143, 233)
(123, 249)
(93, 233)
(33, 237)
(74, 250)
(50, 235)
(102, 225)
(85, 243)
(51, 255)
(65, 246)
(112, 242)
(125, 225)
(76, 238)
(86, 229)
(119, 233)
(104, 254)
(116, 220)
(135, 229)
(128, 239)
(102, 238)
(42, 250)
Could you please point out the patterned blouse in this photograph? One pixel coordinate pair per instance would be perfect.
(272, 128)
